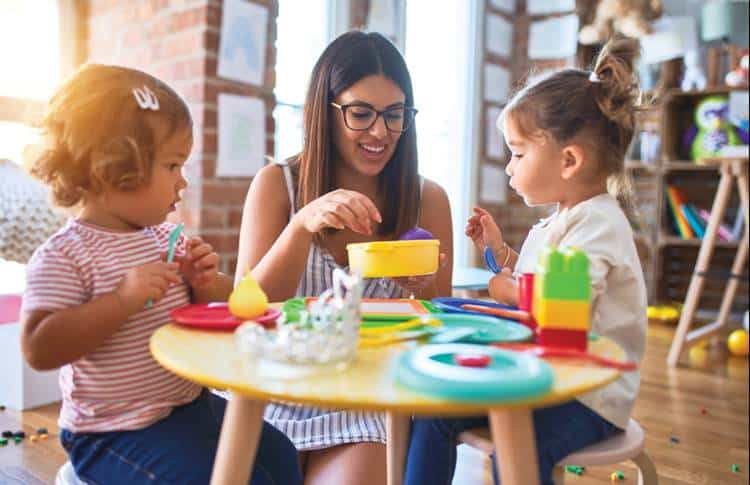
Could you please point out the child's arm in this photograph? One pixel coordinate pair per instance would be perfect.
(504, 288)
(200, 267)
(52, 339)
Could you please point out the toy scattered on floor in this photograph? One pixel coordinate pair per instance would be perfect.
(3, 441)
(248, 300)
(578, 470)
(562, 298)
(617, 476)
(735, 468)
(713, 130)
(674, 439)
(416, 234)
(664, 313)
(738, 343)
(7, 434)
(326, 333)
(2, 408)
(704, 411)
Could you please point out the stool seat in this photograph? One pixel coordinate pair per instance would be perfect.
(620, 447)
(66, 475)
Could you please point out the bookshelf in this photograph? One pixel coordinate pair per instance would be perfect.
(667, 259)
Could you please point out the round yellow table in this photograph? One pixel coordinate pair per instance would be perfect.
(212, 359)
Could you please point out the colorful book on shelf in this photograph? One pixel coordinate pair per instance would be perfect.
(696, 223)
(724, 232)
(675, 199)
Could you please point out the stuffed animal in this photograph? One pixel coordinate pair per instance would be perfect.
(627, 17)
(739, 76)
(712, 130)
(694, 77)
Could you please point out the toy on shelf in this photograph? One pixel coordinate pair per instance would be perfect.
(248, 300)
(562, 298)
(713, 130)
(664, 313)
(738, 76)
(627, 17)
(326, 333)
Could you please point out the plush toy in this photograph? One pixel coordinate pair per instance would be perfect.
(739, 76)
(627, 17)
(712, 130)
(694, 77)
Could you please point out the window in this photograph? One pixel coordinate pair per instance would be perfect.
(440, 45)
(31, 73)
(303, 30)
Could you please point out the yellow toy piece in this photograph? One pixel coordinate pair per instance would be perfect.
(248, 300)
(738, 343)
(664, 313)
(563, 314)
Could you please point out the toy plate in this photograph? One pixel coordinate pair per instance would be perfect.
(510, 376)
(488, 329)
(216, 316)
(453, 305)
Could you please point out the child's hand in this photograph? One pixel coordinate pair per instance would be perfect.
(147, 282)
(199, 265)
(503, 288)
(483, 232)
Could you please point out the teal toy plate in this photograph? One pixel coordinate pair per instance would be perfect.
(510, 376)
(488, 329)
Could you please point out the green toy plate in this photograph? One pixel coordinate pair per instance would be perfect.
(385, 312)
(509, 376)
(488, 329)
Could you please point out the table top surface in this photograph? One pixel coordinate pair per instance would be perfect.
(213, 359)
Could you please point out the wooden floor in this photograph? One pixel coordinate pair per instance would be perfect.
(669, 405)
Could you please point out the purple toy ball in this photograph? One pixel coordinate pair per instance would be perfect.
(416, 233)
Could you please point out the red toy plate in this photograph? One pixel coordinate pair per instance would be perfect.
(216, 316)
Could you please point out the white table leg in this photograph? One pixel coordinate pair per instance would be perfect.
(515, 446)
(398, 427)
(240, 433)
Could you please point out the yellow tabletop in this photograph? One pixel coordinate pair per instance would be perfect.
(213, 359)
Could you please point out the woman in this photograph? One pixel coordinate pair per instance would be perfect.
(355, 181)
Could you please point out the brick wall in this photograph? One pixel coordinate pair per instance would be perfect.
(178, 41)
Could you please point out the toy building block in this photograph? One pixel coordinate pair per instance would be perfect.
(562, 298)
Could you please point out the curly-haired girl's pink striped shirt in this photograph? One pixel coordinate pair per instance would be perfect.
(118, 386)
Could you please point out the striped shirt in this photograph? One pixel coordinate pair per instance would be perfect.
(311, 427)
(118, 386)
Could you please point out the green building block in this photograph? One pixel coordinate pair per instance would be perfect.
(562, 275)
(3, 441)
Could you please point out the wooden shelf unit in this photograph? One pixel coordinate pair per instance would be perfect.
(668, 260)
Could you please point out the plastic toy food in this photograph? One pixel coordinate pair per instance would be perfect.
(416, 233)
(738, 343)
(248, 300)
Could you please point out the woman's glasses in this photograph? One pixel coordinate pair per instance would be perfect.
(360, 117)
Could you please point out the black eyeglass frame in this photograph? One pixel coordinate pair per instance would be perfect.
(344, 107)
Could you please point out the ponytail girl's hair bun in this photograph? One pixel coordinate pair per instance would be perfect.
(614, 81)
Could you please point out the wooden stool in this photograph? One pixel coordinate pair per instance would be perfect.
(620, 447)
(730, 168)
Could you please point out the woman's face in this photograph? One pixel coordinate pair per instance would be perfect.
(367, 152)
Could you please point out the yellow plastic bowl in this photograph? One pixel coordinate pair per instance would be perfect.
(388, 259)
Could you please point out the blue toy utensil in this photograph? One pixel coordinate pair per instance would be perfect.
(173, 237)
(489, 260)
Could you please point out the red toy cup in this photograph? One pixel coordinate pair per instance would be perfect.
(526, 297)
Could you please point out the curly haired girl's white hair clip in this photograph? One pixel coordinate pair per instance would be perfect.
(146, 99)
(594, 78)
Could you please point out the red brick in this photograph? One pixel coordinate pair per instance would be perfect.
(235, 218)
(222, 242)
(188, 19)
(213, 218)
(224, 192)
(209, 167)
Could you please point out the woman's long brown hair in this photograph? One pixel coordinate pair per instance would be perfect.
(348, 59)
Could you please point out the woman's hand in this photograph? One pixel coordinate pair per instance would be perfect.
(340, 209)
(483, 232)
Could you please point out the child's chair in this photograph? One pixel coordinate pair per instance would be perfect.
(66, 475)
(621, 447)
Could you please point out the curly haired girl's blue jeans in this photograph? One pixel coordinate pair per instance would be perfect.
(179, 449)
(559, 430)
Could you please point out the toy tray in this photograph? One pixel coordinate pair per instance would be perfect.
(216, 316)
(375, 311)
(489, 329)
(453, 305)
(510, 376)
